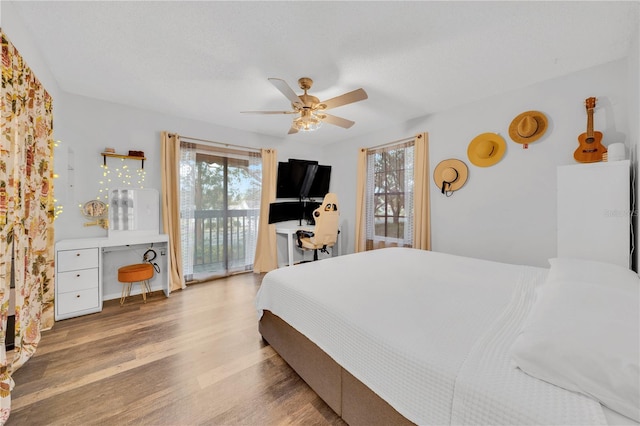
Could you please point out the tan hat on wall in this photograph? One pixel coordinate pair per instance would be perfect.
(450, 175)
(528, 127)
(486, 149)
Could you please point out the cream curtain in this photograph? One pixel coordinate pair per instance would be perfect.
(422, 212)
(361, 187)
(266, 249)
(26, 214)
(170, 160)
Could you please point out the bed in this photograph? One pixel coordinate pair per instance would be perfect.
(405, 336)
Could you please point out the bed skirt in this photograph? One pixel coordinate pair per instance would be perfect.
(346, 395)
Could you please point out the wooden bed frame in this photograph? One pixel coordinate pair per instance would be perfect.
(346, 395)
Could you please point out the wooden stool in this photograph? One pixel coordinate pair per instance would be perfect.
(140, 272)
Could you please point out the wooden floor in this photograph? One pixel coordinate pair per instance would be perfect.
(193, 358)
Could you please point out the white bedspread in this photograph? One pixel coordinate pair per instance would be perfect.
(428, 332)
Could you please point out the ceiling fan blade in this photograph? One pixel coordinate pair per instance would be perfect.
(292, 130)
(268, 112)
(347, 98)
(286, 90)
(337, 121)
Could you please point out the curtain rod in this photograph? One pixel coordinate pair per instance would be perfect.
(392, 142)
(218, 143)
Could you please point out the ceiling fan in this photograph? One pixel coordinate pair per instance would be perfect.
(311, 112)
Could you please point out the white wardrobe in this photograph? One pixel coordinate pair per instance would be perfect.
(594, 212)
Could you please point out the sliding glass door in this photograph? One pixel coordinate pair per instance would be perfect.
(220, 204)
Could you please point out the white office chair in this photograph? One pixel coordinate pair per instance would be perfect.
(325, 233)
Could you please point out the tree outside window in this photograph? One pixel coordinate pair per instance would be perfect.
(390, 197)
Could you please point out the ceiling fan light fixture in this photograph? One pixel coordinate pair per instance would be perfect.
(311, 112)
(308, 121)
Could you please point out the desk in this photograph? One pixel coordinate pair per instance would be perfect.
(86, 271)
(289, 229)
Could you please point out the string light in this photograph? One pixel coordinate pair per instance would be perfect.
(57, 208)
(119, 177)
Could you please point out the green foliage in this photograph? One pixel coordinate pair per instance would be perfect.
(242, 183)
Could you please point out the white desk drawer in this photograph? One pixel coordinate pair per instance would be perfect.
(76, 301)
(82, 279)
(70, 260)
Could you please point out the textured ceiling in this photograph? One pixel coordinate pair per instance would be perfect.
(209, 60)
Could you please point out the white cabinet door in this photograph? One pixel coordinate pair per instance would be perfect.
(594, 219)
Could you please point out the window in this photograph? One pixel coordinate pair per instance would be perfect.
(389, 197)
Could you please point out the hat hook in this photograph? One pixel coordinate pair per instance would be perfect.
(444, 183)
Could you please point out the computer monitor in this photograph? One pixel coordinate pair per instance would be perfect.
(288, 210)
(293, 210)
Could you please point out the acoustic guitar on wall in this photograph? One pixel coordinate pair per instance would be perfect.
(590, 147)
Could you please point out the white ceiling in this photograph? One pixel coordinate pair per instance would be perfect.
(209, 60)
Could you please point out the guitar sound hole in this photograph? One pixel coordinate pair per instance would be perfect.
(589, 140)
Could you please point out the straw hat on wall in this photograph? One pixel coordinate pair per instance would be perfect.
(528, 127)
(486, 149)
(450, 175)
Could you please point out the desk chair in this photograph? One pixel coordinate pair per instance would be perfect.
(325, 233)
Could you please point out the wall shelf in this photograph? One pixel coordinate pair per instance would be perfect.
(129, 157)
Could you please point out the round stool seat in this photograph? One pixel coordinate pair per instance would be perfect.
(135, 273)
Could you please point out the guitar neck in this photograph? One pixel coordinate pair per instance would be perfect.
(590, 123)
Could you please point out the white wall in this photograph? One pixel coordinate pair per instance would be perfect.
(87, 126)
(506, 212)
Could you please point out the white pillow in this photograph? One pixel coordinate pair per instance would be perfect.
(583, 333)
(590, 271)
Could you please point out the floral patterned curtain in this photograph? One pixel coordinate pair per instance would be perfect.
(26, 213)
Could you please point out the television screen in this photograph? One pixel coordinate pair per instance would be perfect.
(309, 176)
(302, 179)
(320, 185)
(285, 187)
